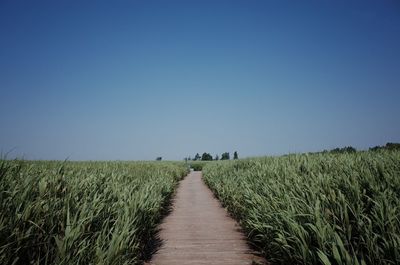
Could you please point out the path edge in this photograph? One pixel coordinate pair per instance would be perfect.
(154, 243)
(256, 249)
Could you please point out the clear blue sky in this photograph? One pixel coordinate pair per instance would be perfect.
(141, 79)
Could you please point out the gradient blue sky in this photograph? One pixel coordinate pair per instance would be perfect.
(94, 80)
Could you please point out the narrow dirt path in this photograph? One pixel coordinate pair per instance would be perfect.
(200, 231)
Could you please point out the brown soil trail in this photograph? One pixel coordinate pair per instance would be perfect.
(200, 231)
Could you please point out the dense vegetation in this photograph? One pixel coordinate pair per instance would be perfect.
(326, 208)
(208, 157)
(81, 212)
(388, 146)
(197, 165)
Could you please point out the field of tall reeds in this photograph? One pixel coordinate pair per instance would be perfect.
(315, 208)
(81, 212)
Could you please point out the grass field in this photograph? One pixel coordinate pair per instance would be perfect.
(81, 212)
(326, 208)
(316, 208)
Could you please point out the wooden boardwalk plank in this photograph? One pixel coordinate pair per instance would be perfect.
(200, 231)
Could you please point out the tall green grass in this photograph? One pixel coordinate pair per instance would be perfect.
(197, 165)
(318, 208)
(81, 212)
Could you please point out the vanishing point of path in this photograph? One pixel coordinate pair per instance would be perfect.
(200, 231)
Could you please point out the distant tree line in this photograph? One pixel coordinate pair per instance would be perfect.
(346, 149)
(208, 157)
(339, 150)
(350, 149)
(388, 146)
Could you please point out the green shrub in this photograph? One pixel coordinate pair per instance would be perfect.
(197, 165)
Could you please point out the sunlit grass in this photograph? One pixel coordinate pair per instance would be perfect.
(316, 209)
(81, 212)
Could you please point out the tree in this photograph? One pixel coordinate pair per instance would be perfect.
(159, 158)
(196, 157)
(346, 149)
(225, 156)
(216, 157)
(392, 146)
(388, 146)
(235, 155)
(206, 157)
(376, 148)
